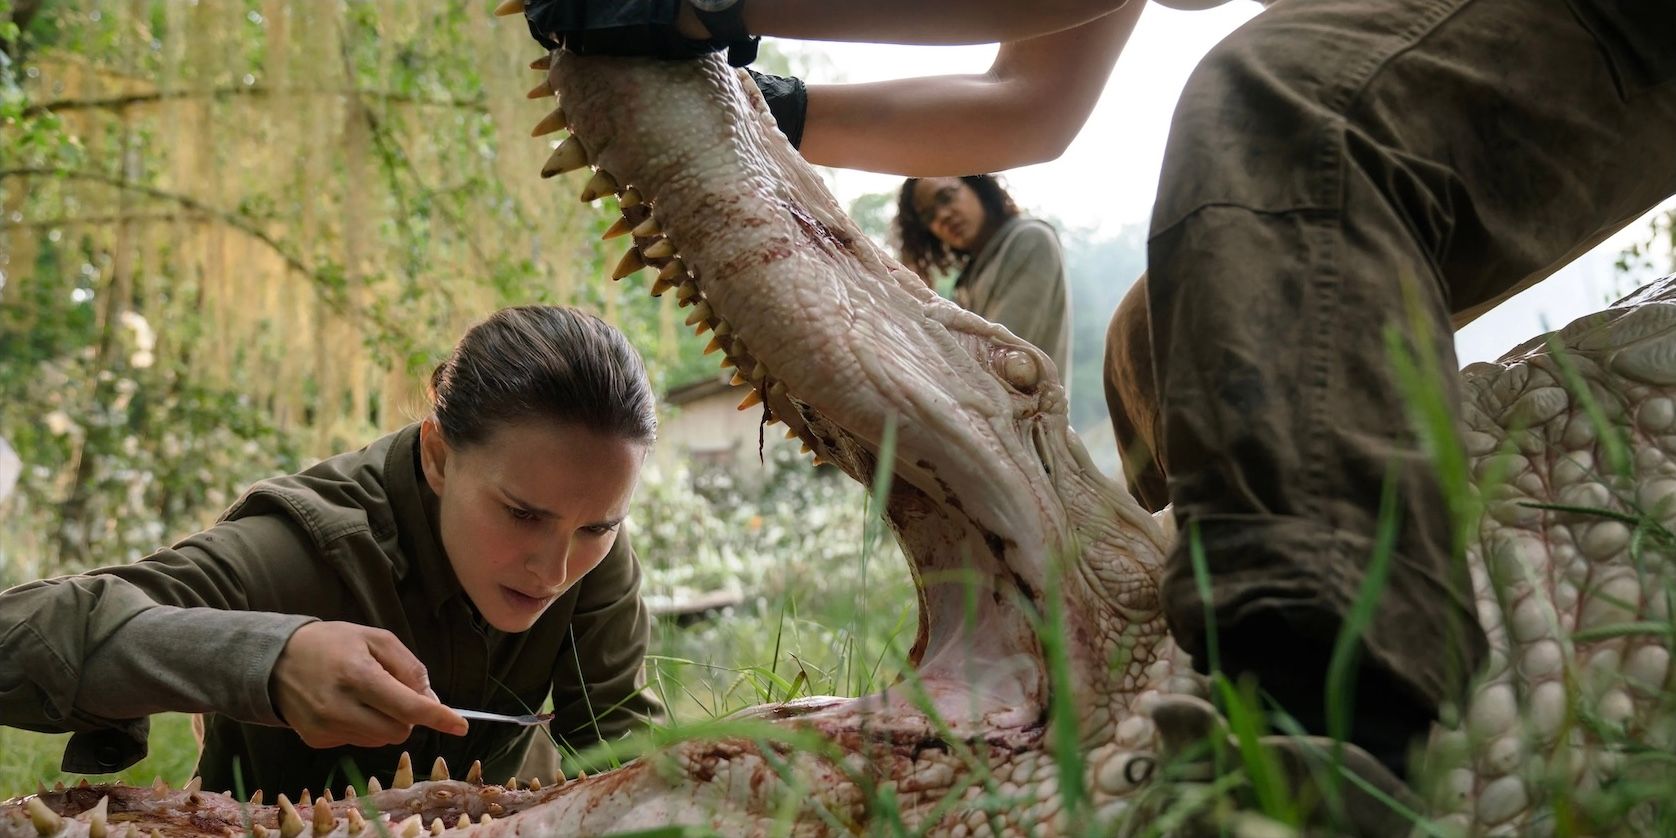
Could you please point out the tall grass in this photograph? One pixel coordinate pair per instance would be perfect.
(828, 609)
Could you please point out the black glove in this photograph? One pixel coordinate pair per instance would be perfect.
(788, 100)
(624, 27)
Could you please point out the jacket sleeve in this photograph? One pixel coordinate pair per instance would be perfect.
(1028, 295)
(192, 628)
(599, 680)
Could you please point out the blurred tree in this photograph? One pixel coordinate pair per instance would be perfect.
(235, 236)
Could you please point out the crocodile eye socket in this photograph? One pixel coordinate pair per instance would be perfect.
(1020, 370)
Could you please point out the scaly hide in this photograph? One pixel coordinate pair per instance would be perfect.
(1004, 519)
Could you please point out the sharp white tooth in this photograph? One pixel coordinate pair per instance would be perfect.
(512, 783)
(700, 313)
(324, 820)
(631, 198)
(96, 820)
(439, 770)
(727, 361)
(620, 227)
(326, 795)
(752, 398)
(464, 822)
(568, 157)
(759, 373)
(485, 819)
(410, 827)
(792, 434)
(660, 249)
(256, 798)
(540, 91)
(290, 823)
(805, 449)
(535, 784)
(374, 786)
(600, 185)
(545, 62)
(723, 329)
(306, 800)
(630, 263)
(661, 285)
(356, 821)
(714, 345)
(648, 228)
(820, 461)
(404, 772)
(673, 270)
(509, 7)
(689, 291)
(475, 775)
(437, 826)
(738, 379)
(550, 123)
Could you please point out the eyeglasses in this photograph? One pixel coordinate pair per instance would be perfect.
(939, 200)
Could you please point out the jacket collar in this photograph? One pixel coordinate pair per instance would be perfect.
(418, 520)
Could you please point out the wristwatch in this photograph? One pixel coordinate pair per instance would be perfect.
(726, 21)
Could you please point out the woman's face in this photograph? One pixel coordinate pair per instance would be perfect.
(529, 511)
(951, 210)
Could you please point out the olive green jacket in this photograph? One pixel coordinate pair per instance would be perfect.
(1018, 280)
(198, 627)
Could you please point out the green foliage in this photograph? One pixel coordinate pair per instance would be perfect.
(299, 207)
(827, 607)
(28, 759)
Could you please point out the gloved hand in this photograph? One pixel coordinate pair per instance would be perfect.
(788, 100)
(624, 27)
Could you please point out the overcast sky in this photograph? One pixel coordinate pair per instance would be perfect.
(1107, 178)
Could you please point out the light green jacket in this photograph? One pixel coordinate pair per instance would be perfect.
(1018, 280)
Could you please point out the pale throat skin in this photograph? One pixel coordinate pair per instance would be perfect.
(528, 511)
(953, 213)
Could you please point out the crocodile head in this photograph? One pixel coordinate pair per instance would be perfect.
(999, 510)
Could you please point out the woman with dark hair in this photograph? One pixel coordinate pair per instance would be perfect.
(333, 618)
(1011, 269)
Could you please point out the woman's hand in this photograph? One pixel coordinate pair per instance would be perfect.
(347, 684)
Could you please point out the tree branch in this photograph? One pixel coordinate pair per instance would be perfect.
(332, 289)
(254, 91)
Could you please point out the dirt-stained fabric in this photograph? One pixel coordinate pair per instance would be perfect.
(1342, 175)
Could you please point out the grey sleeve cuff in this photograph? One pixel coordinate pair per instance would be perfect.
(106, 750)
(188, 660)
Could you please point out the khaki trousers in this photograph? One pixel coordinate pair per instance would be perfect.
(1333, 167)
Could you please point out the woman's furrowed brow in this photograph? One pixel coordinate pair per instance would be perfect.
(528, 507)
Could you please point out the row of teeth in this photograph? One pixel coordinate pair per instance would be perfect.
(660, 253)
(291, 824)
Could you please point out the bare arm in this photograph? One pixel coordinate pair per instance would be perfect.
(1026, 109)
(921, 21)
